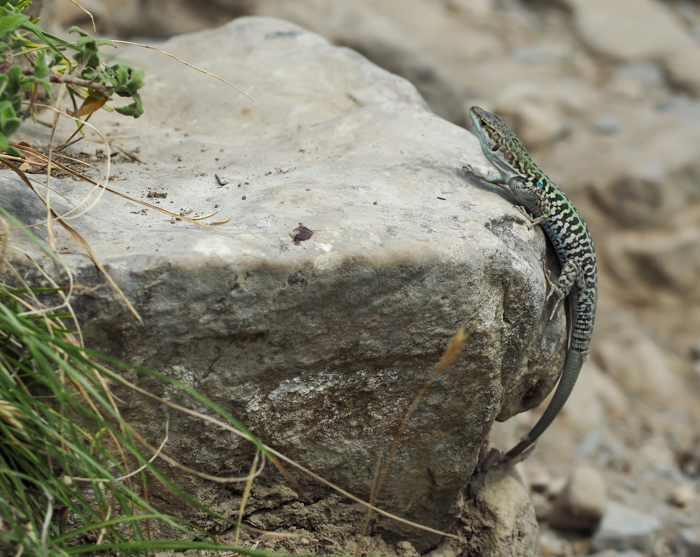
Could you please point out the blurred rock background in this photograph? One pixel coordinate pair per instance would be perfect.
(606, 96)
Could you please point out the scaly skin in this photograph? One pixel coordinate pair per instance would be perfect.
(544, 203)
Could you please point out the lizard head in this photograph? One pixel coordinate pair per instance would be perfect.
(498, 142)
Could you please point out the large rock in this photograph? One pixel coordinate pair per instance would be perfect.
(344, 23)
(661, 261)
(381, 40)
(319, 348)
(639, 30)
(641, 368)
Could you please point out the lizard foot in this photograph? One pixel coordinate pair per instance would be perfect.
(529, 220)
(553, 290)
(510, 461)
(559, 295)
(492, 460)
(497, 459)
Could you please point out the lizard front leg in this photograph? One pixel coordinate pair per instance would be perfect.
(492, 177)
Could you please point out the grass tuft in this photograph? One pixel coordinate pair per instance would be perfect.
(67, 456)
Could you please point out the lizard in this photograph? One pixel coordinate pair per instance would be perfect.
(543, 203)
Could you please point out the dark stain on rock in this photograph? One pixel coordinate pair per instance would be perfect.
(301, 234)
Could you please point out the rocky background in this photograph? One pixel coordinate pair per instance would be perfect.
(606, 95)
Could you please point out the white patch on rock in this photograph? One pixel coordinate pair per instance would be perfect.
(213, 246)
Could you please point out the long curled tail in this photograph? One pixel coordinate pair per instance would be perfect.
(572, 367)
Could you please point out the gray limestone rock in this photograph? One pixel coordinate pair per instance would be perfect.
(651, 33)
(665, 261)
(319, 348)
(379, 38)
(497, 519)
(689, 541)
(344, 23)
(501, 504)
(581, 504)
(623, 528)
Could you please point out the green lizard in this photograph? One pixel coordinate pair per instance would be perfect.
(544, 203)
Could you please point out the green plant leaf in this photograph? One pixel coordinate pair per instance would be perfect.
(11, 23)
(5, 146)
(29, 80)
(41, 67)
(88, 48)
(9, 123)
(19, 43)
(50, 40)
(134, 109)
(13, 76)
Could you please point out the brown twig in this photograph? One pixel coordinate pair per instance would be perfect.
(79, 82)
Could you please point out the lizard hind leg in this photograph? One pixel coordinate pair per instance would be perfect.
(529, 220)
(560, 289)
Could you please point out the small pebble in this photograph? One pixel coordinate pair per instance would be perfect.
(624, 528)
(539, 480)
(442, 550)
(689, 540)
(695, 351)
(581, 504)
(405, 549)
(682, 496)
(696, 368)
(555, 487)
(551, 545)
(606, 125)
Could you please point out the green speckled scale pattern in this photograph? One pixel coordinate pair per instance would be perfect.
(547, 205)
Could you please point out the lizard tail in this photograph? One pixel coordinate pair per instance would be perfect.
(572, 367)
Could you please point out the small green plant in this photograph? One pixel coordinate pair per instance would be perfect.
(43, 61)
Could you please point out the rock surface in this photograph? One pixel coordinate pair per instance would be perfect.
(502, 516)
(361, 28)
(642, 369)
(598, 22)
(625, 529)
(351, 24)
(581, 504)
(319, 348)
(689, 541)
